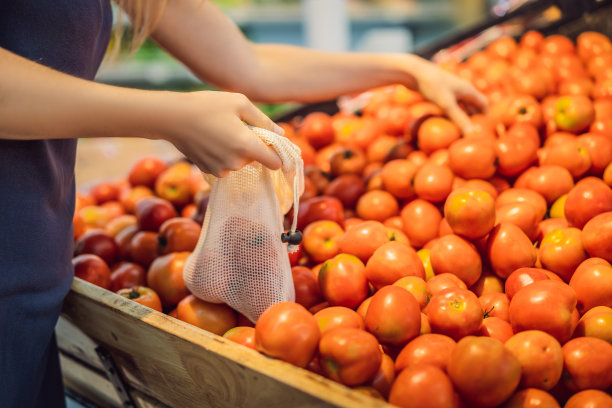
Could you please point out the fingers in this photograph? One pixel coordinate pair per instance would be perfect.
(250, 114)
(457, 115)
(473, 97)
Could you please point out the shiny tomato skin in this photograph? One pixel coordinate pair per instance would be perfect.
(216, 318)
(243, 335)
(587, 364)
(343, 282)
(454, 254)
(422, 386)
(431, 349)
(307, 292)
(393, 316)
(289, 332)
(532, 398)
(165, 276)
(508, 248)
(349, 356)
(522, 277)
(392, 261)
(455, 312)
(143, 295)
(333, 317)
(589, 398)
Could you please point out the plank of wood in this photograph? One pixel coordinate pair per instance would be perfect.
(184, 366)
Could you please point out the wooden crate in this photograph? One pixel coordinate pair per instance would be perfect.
(166, 362)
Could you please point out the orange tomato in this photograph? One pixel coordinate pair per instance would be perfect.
(343, 281)
(216, 318)
(377, 205)
(143, 295)
(421, 220)
(392, 261)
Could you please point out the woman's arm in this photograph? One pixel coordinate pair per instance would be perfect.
(201, 36)
(37, 102)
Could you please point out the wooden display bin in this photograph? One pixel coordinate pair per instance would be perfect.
(160, 361)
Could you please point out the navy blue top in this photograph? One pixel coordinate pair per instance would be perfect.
(37, 195)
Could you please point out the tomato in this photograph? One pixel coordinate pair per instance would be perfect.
(442, 281)
(393, 316)
(495, 305)
(143, 295)
(289, 332)
(532, 398)
(487, 283)
(127, 275)
(343, 282)
(320, 208)
(363, 239)
(522, 277)
(421, 220)
(433, 182)
(392, 261)
(350, 356)
(544, 305)
(384, 377)
(397, 177)
(540, 356)
(521, 214)
(333, 317)
(599, 149)
(165, 276)
(216, 318)
(243, 335)
(453, 254)
(93, 269)
(307, 292)
(347, 188)
(416, 286)
(523, 195)
(472, 158)
(470, 213)
(592, 282)
(589, 398)
(483, 371)
(178, 235)
(515, 154)
(377, 205)
(597, 235)
(551, 181)
(561, 251)
(587, 363)
(496, 328)
(347, 161)
(508, 248)
(321, 240)
(590, 197)
(548, 225)
(422, 386)
(454, 312)
(427, 349)
(531, 39)
(116, 225)
(436, 133)
(144, 248)
(317, 129)
(97, 242)
(567, 155)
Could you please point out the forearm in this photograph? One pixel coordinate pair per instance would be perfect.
(37, 102)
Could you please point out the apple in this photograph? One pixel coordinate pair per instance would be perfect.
(178, 235)
(92, 269)
(151, 212)
(145, 171)
(97, 242)
(574, 113)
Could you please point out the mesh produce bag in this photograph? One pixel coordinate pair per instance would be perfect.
(240, 258)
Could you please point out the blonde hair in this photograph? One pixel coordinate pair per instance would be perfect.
(144, 15)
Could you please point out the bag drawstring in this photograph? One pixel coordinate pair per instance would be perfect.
(294, 237)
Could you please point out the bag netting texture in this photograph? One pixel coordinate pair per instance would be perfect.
(240, 259)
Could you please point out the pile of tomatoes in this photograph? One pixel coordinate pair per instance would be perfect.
(438, 268)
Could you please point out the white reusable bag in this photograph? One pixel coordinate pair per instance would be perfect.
(240, 258)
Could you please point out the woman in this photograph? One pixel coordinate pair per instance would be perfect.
(50, 52)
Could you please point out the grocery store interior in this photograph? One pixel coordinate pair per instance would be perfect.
(443, 31)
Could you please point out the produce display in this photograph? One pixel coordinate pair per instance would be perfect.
(438, 268)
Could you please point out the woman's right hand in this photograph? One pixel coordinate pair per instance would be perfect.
(209, 128)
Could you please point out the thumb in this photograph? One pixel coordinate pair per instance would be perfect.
(264, 154)
(457, 115)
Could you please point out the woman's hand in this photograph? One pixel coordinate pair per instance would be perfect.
(209, 128)
(447, 90)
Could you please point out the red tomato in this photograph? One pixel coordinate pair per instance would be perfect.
(244, 335)
(216, 318)
(455, 255)
(587, 364)
(127, 275)
(455, 312)
(143, 295)
(561, 252)
(442, 281)
(384, 377)
(363, 239)
(321, 240)
(592, 282)
(522, 277)
(470, 213)
(590, 197)
(393, 316)
(551, 181)
(532, 398)
(377, 205)
(422, 386)
(93, 269)
(483, 371)
(437, 133)
(307, 292)
(544, 305)
(349, 356)
(289, 332)
(521, 214)
(144, 248)
(334, 317)
(472, 158)
(496, 328)
(397, 178)
(420, 221)
(597, 235)
(433, 183)
(540, 356)
(178, 234)
(427, 349)
(343, 282)
(589, 398)
(165, 276)
(416, 286)
(508, 249)
(515, 154)
(495, 305)
(392, 261)
(530, 197)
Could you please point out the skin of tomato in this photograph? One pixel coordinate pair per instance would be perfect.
(384, 377)
(561, 251)
(349, 356)
(343, 282)
(421, 220)
(333, 317)
(363, 239)
(422, 386)
(495, 305)
(216, 318)
(496, 328)
(454, 254)
(532, 397)
(165, 276)
(470, 213)
(589, 398)
(393, 316)
(455, 312)
(522, 277)
(483, 371)
(393, 261)
(289, 332)
(431, 349)
(508, 249)
(242, 335)
(587, 364)
(143, 295)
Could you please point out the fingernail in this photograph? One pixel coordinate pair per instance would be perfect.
(279, 130)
